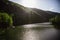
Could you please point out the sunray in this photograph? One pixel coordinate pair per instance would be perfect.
(31, 12)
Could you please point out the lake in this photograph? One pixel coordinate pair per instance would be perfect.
(39, 31)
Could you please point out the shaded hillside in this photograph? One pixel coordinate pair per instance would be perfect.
(23, 15)
(18, 12)
(43, 16)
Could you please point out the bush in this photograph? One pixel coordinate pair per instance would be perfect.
(56, 21)
(5, 20)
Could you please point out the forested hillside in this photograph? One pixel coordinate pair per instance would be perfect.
(23, 15)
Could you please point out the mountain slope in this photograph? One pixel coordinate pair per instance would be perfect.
(43, 16)
(23, 15)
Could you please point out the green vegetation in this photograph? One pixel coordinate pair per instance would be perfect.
(14, 14)
(22, 15)
(5, 25)
(5, 20)
(56, 21)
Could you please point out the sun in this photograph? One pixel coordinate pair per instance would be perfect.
(29, 3)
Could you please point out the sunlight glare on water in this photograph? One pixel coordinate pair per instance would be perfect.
(29, 35)
(37, 32)
(29, 26)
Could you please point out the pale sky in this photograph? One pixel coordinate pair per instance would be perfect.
(49, 5)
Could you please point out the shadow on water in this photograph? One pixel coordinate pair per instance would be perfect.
(31, 33)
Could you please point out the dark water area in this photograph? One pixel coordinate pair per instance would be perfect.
(39, 34)
(33, 32)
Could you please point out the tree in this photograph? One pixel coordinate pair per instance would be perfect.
(56, 21)
(5, 20)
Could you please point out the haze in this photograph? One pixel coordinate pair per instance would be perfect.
(49, 5)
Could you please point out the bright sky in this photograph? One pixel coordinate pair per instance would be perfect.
(50, 5)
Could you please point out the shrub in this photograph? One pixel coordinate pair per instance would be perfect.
(5, 20)
(56, 21)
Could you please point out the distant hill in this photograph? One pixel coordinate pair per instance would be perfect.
(23, 15)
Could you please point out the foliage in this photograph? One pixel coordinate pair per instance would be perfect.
(5, 20)
(56, 21)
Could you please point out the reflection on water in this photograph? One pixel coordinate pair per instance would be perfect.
(37, 34)
(29, 35)
(37, 25)
(30, 32)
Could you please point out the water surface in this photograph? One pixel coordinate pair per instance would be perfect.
(38, 32)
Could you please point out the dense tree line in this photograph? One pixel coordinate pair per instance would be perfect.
(56, 21)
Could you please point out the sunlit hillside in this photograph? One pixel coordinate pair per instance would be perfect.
(23, 15)
(18, 22)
